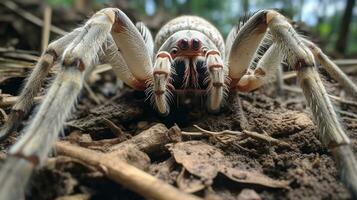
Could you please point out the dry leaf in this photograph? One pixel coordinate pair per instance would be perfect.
(205, 161)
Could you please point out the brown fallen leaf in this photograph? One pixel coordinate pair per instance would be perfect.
(206, 161)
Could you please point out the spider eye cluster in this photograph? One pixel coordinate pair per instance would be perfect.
(183, 44)
(188, 46)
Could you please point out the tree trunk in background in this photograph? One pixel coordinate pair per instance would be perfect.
(245, 6)
(341, 44)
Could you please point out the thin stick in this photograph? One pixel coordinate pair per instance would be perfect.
(47, 15)
(30, 17)
(289, 75)
(349, 114)
(3, 113)
(8, 101)
(255, 135)
(92, 94)
(333, 97)
(345, 61)
(130, 177)
(343, 101)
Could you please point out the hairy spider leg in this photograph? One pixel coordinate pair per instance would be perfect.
(300, 58)
(80, 55)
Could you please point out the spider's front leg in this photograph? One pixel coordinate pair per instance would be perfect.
(79, 56)
(217, 84)
(34, 82)
(242, 46)
(161, 82)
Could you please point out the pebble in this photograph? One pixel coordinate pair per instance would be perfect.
(248, 194)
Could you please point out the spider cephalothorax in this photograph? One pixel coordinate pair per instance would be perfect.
(189, 57)
(189, 62)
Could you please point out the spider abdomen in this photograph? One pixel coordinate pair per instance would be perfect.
(189, 23)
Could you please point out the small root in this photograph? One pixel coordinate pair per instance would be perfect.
(228, 135)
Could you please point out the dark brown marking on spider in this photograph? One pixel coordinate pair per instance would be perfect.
(53, 53)
(119, 24)
(319, 56)
(81, 65)
(262, 23)
(19, 113)
(217, 84)
(33, 159)
(77, 62)
(300, 64)
(233, 83)
(12, 122)
(47, 61)
(48, 58)
(159, 92)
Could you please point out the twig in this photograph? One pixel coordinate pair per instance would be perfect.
(92, 95)
(292, 89)
(345, 61)
(8, 101)
(333, 97)
(130, 177)
(101, 68)
(113, 166)
(3, 114)
(30, 17)
(255, 135)
(346, 113)
(343, 101)
(23, 55)
(47, 15)
(152, 140)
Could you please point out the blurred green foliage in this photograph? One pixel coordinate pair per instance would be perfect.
(60, 2)
(323, 17)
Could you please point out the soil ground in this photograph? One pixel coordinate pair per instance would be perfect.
(307, 165)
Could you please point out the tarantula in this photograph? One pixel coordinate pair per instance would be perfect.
(189, 56)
